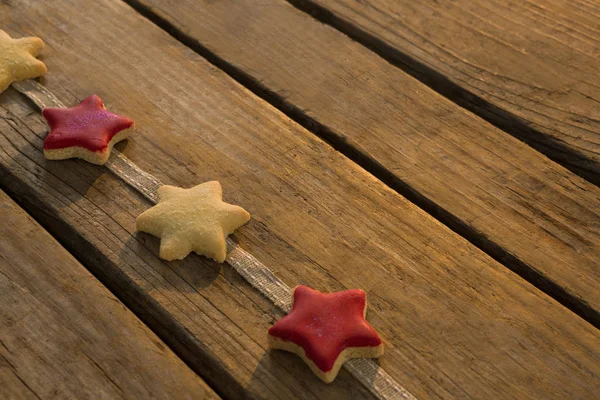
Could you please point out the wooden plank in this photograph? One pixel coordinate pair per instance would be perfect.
(530, 67)
(524, 210)
(456, 324)
(64, 335)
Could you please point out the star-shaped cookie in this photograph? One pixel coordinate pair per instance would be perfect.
(326, 329)
(17, 59)
(85, 131)
(194, 219)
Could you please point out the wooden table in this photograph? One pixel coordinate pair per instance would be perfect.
(444, 156)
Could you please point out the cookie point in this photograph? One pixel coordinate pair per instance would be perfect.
(246, 215)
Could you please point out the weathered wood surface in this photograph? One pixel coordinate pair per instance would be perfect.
(525, 210)
(532, 67)
(65, 336)
(456, 324)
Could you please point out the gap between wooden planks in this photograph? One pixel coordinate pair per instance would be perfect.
(456, 324)
(63, 335)
(526, 211)
(530, 67)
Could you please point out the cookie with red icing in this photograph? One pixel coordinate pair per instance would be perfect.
(86, 131)
(326, 329)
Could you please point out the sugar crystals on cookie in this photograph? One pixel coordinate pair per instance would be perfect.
(326, 329)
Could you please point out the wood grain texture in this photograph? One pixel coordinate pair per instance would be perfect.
(530, 67)
(65, 336)
(455, 323)
(514, 203)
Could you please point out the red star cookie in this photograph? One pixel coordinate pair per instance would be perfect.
(85, 131)
(326, 329)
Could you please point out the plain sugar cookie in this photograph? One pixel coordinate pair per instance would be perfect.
(194, 219)
(17, 59)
